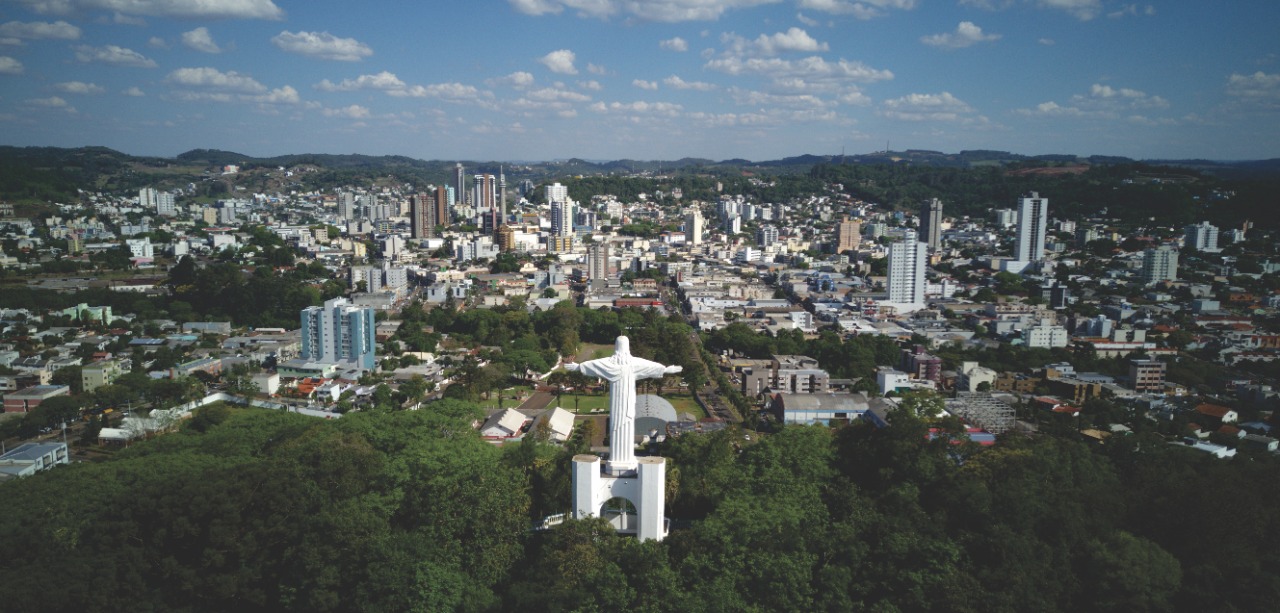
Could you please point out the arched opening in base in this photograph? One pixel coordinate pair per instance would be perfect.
(621, 514)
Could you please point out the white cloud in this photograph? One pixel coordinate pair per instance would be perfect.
(158, 43)
(1048, 42)
(116, 56)
(9, 65)
(674, 44)
(648, 10)
(592, 85)
(52, 102)
(208, 9)
(1257, 86)
(354, 111)
(1102, 102)
(864, 9)
(1083, 10)
(550, 94)
(322, 45)
(125, 20)
(1053, 109)
(444, 91)
(794, 39)
(214, 79)
(560, 61)
(392, 85)
(1132, 10)
(40, 30)
(79, 87)
(384, 81)
(641, 107)
(518, 80)
(134, 92)
(200, 40)
(761, 99)
(926, 107)
(966, 34)
(281, 95)
(642, 84)
(596, 69)
(812, 23)
(811, 68)
(676, 82)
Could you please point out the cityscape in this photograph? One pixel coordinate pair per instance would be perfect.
(819, 321)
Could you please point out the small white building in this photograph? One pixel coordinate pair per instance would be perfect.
(559, 422)
(30, 458)
(504, 424)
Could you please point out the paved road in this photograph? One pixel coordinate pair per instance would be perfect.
(537, 402)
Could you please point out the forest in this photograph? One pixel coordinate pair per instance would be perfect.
(411, 511)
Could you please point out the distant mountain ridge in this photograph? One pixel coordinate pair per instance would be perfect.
(96, 159)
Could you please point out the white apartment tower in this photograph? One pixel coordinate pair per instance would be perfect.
(562, 217)
(1201, 237)
(906, 279)
(694, 225)
(766, 236)
(1033, 213)
(1159, 264)
(598, 261)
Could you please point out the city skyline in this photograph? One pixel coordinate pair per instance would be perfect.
(608, 79)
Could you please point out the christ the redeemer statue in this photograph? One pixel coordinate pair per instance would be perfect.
(622, 370)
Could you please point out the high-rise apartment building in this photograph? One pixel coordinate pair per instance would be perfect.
(562, 210)
(848, 235)
(556, 191)
(459, 185)
(766, 236)
(562, 217)
(339, 333)
(1201, 237)
(598, 261)
(1033, 215)
(1159, 264)
(421, 210)
(906, 279)
(694, 225)
(931, 224)
(1006, 217)
(347, 205)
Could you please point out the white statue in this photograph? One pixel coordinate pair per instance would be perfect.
(622, 370)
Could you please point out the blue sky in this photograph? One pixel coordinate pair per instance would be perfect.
(643, 79)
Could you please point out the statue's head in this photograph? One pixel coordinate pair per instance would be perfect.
(623, 347)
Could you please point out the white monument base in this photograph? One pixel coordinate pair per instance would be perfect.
(646, 489)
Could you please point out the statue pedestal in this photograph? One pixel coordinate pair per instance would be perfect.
(645, 488)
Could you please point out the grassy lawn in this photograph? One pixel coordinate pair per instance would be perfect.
(683, 403)
(593, 351)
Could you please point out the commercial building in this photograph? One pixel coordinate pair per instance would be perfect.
(1147, 375)
(30, 458)
(24, 400)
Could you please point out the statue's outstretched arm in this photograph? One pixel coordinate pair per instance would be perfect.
(671, 370)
